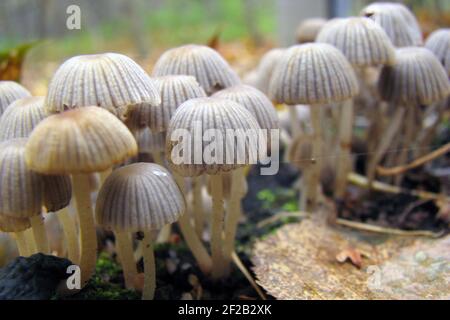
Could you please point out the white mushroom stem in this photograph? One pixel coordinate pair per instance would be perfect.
(124, 248)
(233, 214)
(217, 226)
(88, 236)
(305, 182)
(68, 225)
(385, 143)
(164, 234)
(295, 126)
(410, 128)
(31, 243)
(192, 240)
(197, 206)
(39, 233)
(21, 242)
(148, 293)
(312, 187)
(345, 139)
(103, 175)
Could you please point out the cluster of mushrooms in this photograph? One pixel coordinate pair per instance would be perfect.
(105, 118)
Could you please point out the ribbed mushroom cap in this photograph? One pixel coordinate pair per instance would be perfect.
(149, 142)
(205, 114)
(9, 92)
(8, 224)
(266, 67)
(397, 20)
(83, 140)
(20, 118)
(174, 90)
(300, 151)
(416, 78)
(313, 73)
(57, 192)
(439, 43)
(21, 189)
(139, 197)
(110, 80)
(363, 42)
(308, 29)
(205, 64)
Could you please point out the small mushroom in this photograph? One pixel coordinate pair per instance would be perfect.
(205, 64)
(438, 42)
(18, 227)
(265, 68)
(139, 197)
(10, 91)
(79, 142)
(308, 29)
(20, 118)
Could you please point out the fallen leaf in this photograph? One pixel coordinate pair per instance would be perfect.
(351, 254)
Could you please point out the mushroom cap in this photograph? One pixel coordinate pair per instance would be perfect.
(300, 151)
(20, 117)
(205, 64)
(205, 115)
(8, 224)
(174, 90)
(149, 142)
(9, 92)
(109, 80)
(397, 20)
(438, 42)
(254, 101)
(416, 78)
(139, 197)
(308, 29)
(363, 42)
(57, 192)
(83, 140)
(21, 190)
(266, 67)
(313, 73)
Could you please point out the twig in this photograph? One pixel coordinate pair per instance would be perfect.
(237, 261)
(281, 215)
(416, 163)
(378, 229)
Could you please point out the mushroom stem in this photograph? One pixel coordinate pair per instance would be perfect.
(295, 126)
(311, 188)
(199, 215)
(124, 247)
(164, 234)
(233, 215)
(31, 243)
(70, 233)
(345, 139)
(103, 175)
(40, 234)
(305, 182)
(217, 226)
(21, 242)
(148, 292)
(385, 143)
(192, 240)
(88, 236)
(407, 141)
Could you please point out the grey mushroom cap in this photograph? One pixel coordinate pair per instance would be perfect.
(398, 21)
(9, 92)
(266, 67)
(139, 197)
(57, 192)
(416, 78)
(205, 64)
(109, 80)
(361, 40)
(313, 73)
(308, 29)
(438, 42)
(8, 224)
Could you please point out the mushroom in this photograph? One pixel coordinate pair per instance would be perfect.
(265, 114)
(416, 79)
(365, 44)
(397, 20)
(20, 118)
(265, 68)
(438, 42)
(79, 142)
(140, 197)
(151, 143)
(205, 64)
(308, 29)
(195, 120)
(315, 74)
(9, 92)
(17, 226)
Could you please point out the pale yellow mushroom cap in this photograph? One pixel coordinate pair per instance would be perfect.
(82, 140)
(9, 92)
(205, 64)
(139, 197)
